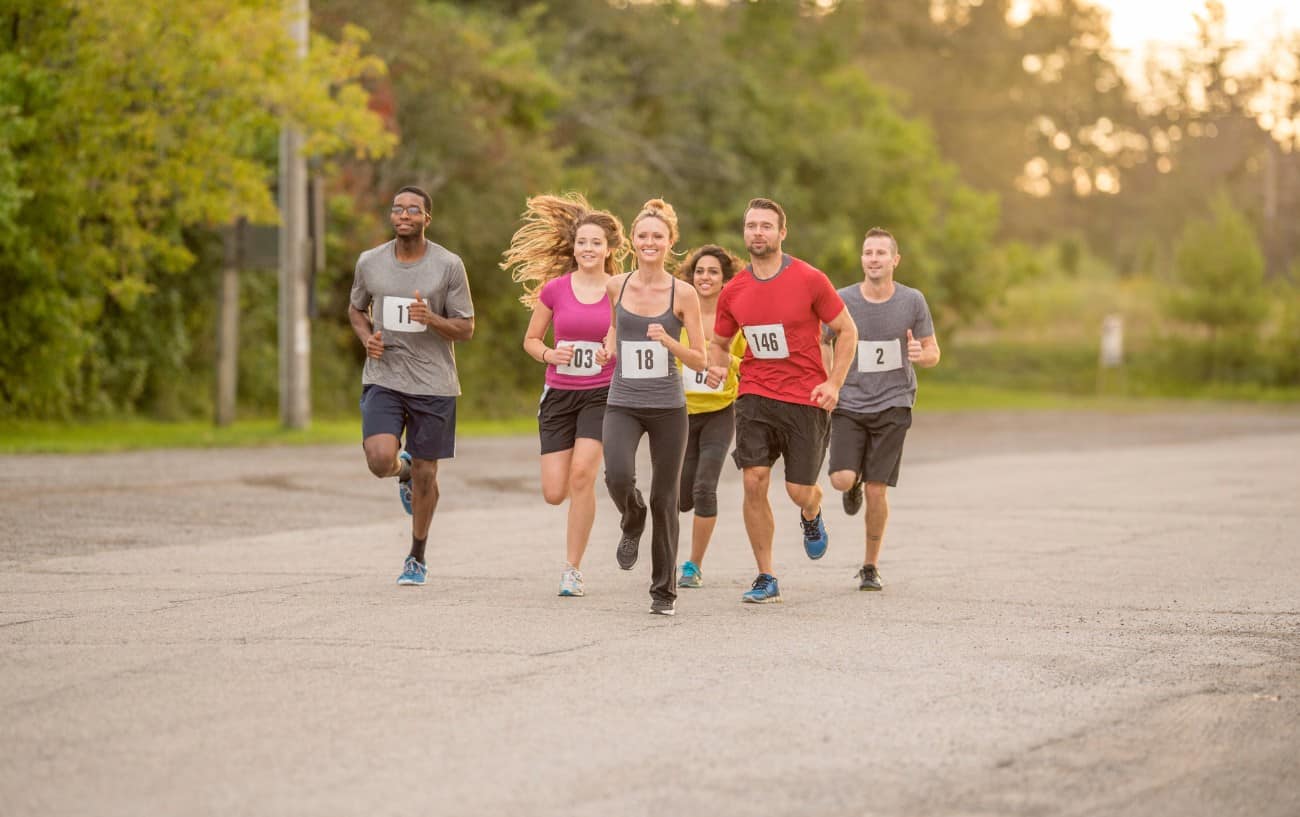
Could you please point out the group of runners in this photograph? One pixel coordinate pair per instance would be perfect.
(770, 354)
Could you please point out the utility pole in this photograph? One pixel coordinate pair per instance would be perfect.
(294, 326)
(232, 241)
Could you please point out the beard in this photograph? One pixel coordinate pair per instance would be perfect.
(765, 251)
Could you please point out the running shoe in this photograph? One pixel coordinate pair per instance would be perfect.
(413, 573)
(691, 575)
(571, 582)
(660, 607)
(764, 591)
(627, 550)
(869, 578)
(853, 499)
(815, 537)
(404, 488)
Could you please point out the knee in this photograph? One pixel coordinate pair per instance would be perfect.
(876, 492)
(381, 463)
(756, 484)
(843, 480)
(424, 476)
(581, 478)
(554, 495)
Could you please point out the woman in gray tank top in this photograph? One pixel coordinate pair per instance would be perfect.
(645, 398)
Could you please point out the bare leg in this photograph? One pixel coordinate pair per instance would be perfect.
(424, 499)
(759, 523)
(807, 497)
(877, 516)
(701, 532)
(381, 454)
(587, 454)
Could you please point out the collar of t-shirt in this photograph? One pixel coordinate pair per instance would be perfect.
(786, 260)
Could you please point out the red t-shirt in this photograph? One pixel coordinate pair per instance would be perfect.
(781, 317)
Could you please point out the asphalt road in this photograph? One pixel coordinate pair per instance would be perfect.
(1084, 614)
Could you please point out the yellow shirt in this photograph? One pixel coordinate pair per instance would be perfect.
(700, 402)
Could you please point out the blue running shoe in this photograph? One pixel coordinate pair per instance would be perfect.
(764, 591)
(413, 573)
(691, 575)
(815, 537)
(404, 488)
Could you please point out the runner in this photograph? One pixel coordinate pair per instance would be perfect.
(712, 417)
(786, 393)
(559, 232)
(651, 308)
(401, 291)
(875, 408)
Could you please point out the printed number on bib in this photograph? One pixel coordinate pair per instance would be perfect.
(767, 341)
(583, 363)
(643, 358)
(694, 381)
(879, 355)
(397, 315)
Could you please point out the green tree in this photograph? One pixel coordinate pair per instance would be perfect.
(131, 127)
(1219, 287)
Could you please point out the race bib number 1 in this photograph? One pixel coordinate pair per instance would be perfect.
(643, 358)
(584, 362)
(694, 381)
(767, 341)
(879, 355)
(397, 315)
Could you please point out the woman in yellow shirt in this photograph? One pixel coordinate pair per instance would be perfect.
(711, 411)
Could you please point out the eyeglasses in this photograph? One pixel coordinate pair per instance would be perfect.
(413, 210)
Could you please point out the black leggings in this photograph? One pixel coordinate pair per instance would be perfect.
(707, 442)
(622, 434)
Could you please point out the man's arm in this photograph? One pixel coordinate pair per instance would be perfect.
(364, 329)
(923, 352)
(827, 394)
(449, 328)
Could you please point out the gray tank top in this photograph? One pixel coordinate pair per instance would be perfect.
(646, 374)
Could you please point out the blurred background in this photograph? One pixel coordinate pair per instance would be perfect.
(1050, 167)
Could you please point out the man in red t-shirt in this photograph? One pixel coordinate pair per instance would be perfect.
(786, 394)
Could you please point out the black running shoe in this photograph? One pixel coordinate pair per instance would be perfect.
(627, 550)
(853, 499)
(869, 578)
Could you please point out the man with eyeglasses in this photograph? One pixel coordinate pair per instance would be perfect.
(410, 303)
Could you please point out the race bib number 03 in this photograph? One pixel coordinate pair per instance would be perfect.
(694, 381)
(643, 358)
(584, 362)
(397, 315)
(767, 341)
(879, 355)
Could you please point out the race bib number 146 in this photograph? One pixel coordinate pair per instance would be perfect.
(767, 341)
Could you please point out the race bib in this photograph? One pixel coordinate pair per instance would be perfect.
(583, 363)
(397, 315)
(694, 381)
(879, 355)
(767, 341)
(641, 359)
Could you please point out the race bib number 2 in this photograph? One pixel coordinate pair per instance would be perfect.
(879, 355)
(643, 358)
(397, 315)
(583, 363)
(767, 341)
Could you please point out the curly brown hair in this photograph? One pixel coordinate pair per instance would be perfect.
(541, 250)
(730, 263)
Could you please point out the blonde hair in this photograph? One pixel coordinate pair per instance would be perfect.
(541, 250)
(662, 210)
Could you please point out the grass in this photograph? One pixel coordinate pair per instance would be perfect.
(84, 437)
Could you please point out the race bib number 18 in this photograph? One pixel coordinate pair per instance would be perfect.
(397, 315)
(584, 362)
(643, 358)
(879, 355)
(767, 341)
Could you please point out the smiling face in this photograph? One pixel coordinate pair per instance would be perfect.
(590, 248)
(879, 259)
(763, 233)
(406, 223)
(651, 240)
(707, 276)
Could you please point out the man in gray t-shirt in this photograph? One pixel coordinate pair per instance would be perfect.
(868, 426)
(410, 303)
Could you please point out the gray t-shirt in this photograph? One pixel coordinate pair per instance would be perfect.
(881, 376)
(416, 359)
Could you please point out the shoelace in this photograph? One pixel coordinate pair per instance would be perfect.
(761, 583)
(809, 527)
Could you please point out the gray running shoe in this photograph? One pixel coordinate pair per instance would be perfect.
(853, 499)
(627, 550)
(869, 578)
(571, 582)
(659, 607)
